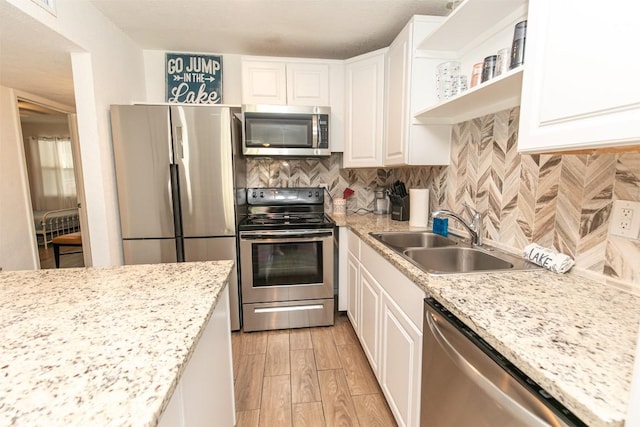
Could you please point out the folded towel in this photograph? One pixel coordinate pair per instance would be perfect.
(548, 258)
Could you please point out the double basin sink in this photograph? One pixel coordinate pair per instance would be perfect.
(437, 254)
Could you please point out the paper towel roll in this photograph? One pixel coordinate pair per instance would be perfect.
(418, 207)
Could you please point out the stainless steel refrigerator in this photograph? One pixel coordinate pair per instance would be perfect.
(177, 176)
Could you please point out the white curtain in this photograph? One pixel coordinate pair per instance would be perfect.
(53, 184)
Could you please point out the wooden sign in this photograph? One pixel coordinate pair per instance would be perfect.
(194, 79)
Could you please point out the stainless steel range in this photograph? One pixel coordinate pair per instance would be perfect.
(286, 259)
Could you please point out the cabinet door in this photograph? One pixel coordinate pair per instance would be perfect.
(353, 278)
(580, 85)
(369, 321)
(398, 66)
(264, 82)
(307, 84)
(364, 116)
(207, 387)
(204, 395)
(401, 363)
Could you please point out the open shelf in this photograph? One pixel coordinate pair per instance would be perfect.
(469, 22)
(497, 94)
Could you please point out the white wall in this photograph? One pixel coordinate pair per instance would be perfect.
(17, 239)
(108, 69)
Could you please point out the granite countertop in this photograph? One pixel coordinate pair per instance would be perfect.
(574, 336)
(100, 346)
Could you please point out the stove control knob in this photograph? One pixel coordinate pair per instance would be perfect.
(317, 194)
(262, 194)
(253, 195)
(310, 193)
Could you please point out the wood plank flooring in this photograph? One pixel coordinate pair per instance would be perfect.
(69, 257)
(312, 377)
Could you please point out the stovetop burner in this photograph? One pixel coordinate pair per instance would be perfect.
(285, 208)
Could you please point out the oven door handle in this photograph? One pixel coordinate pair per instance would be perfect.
(289, 308)
(270, 235)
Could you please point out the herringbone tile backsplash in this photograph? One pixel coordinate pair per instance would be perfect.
(559, 201)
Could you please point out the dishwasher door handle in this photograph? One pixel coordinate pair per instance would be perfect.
(475, 375)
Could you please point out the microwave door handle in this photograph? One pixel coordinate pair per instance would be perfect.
(314, 130)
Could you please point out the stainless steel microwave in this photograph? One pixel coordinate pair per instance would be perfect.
(285, 130)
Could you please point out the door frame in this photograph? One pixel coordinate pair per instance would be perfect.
(70, 112)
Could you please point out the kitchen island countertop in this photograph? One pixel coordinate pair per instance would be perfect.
(100, 346)
(574, 336)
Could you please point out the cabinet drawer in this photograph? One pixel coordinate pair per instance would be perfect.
(285, 315)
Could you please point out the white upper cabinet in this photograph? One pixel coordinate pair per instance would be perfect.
(264, 82)
(307, 84)
(285, 83)
(364, 110)
(474, 30)
(408, 143)
(581, 87)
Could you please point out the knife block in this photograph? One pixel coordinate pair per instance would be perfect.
(399, 208)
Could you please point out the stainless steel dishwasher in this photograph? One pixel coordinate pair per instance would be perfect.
(466, 382)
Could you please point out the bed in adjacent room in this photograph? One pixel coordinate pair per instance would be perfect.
(49, 224)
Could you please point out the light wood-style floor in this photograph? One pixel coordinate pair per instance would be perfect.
(69, 257)
(306, 377)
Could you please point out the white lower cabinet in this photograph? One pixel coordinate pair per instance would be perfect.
(400, 372)
(385, 308)
(350, 253)
(353, 286)
(370, 299)
(204, 394)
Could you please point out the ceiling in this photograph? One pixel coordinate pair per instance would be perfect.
(35, 60)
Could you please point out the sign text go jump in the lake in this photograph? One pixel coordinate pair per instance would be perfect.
(194, 79)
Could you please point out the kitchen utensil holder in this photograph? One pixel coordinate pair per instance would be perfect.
(399, 207)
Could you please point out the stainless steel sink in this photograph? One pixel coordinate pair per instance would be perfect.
(413, 239)
(437, 254)
(456, 260)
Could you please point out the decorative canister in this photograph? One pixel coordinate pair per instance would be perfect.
(502, 64)
(339, 206)
(517, 48)
(489, 67)
(447, 73)
(476, 74)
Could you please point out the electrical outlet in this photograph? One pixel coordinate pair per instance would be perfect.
(625, 219)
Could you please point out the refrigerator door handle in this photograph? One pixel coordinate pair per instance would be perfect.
(177, 211)
(179, 145)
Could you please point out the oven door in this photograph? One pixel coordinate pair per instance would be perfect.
(284, 265)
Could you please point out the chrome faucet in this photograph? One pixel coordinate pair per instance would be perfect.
(474, 227)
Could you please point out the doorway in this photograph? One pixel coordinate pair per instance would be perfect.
(51, 162)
